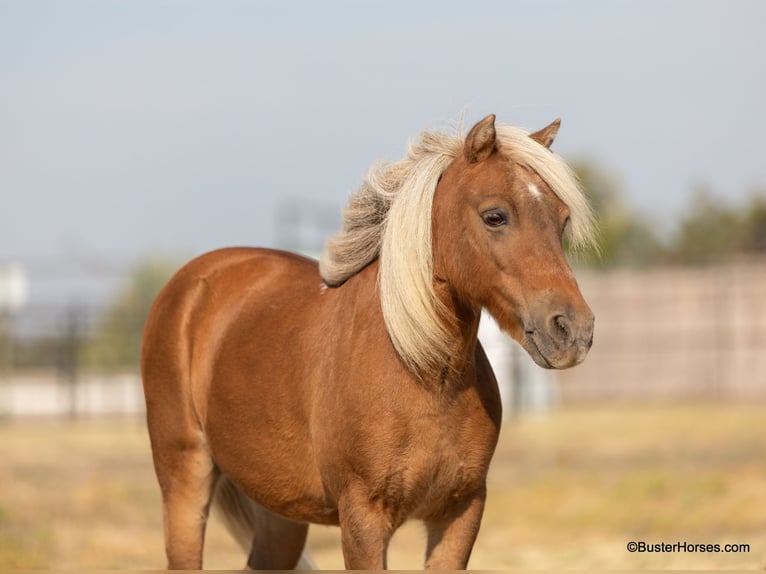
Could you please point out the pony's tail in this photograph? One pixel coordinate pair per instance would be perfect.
(242, 516)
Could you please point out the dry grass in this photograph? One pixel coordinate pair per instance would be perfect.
(567, 490)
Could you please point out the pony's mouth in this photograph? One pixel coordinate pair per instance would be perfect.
(534, 350)
(547, 354)
(554, 340)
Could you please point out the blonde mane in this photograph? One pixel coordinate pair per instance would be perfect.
(389, 217)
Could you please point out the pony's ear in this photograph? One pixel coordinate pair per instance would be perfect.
(480, 141)
(546, 135)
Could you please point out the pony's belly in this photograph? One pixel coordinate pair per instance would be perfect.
(271, 464)
(285, 487)
(294, 505)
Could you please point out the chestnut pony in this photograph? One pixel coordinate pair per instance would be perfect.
(355, 392)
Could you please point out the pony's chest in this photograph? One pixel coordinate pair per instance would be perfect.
(440, 468)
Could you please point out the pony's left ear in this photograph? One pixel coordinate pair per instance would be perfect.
(546, 135)
(480, 141)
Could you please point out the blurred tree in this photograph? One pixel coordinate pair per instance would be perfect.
(625, 237)
(6, 343)
(116, 340)
(755, 223)
(42, 352)
(710, 231)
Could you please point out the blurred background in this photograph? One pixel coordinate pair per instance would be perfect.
(136, 135)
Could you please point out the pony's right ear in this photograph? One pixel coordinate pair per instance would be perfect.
(480, 141)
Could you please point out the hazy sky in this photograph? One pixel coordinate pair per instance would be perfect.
(177, 126)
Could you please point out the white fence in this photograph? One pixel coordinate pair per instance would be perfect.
(91, 395)
(674, 333)
(661, 334)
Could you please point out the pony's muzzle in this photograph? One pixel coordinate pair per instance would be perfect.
(562, 339)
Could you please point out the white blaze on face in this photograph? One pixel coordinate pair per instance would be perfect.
(535, 192)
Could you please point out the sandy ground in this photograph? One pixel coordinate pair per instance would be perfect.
(568, 489)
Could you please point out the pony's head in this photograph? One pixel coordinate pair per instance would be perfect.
(507, 201)
(478, 223)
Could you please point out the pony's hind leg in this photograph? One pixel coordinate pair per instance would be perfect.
(187, 480)
(277, 543)
(185, 470)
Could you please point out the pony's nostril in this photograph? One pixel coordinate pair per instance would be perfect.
(561, 328)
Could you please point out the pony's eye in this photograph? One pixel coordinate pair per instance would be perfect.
(494, 218)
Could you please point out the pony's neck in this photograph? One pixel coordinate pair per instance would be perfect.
(464, 328)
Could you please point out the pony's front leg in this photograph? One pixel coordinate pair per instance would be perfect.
(451, 539)
(365, 531)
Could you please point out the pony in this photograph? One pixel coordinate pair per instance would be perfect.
(353, 391)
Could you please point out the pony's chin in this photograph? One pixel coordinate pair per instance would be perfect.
(537, 350)
(533, 351)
